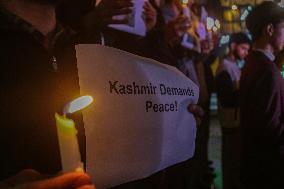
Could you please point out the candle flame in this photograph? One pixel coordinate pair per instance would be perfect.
(78, 104)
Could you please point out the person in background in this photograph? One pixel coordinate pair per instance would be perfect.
(91, 19)
(262, 101)
(161, 42)
(227, 84)
(192, 62)
(37, 59)
(91, 22)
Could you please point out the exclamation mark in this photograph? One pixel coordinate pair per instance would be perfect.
(176, 105)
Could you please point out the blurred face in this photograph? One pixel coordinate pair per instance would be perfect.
(241, 50)
(277, 38)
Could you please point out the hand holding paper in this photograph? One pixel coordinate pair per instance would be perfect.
(196, 110)
(177, 28)
(150, 15)
(140, 123)
(104, 13)
(135, 23)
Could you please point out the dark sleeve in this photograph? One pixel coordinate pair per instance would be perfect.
(154, 45)
(71, 12)
(227, 95)
(268, 107)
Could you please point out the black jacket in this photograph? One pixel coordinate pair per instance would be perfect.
(262, 123)
(32, 90)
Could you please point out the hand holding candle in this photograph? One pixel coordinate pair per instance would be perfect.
(67, 135)
(30, 179)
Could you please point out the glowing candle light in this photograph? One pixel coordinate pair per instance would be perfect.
(67, 135)
(78, 104)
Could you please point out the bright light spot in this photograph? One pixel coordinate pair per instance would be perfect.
(225, 39)
(78, 104)
(249, 36)
(214, 29)
(250, 8)
(210, 23)
(185, 2)
(217, 24)
(234, 7)
(244, 15)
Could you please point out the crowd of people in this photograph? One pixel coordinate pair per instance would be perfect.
(38, 39)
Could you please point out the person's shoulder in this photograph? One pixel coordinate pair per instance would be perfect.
(270, 76)
(12, 40)
(11, 35)
(257, 56)
(258, 67)
(223, 65)
(7, 39)
(16, 47)
(258, 63)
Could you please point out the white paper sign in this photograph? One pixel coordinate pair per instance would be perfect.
(136, 24)
(139, 123)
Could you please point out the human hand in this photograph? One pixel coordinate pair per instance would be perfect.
(104, 13)
(176, 28)
(207, 46)
(28, 175)
(150, 15)
(29, 179)
(197, 111)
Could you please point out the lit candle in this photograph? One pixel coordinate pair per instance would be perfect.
(67, 135)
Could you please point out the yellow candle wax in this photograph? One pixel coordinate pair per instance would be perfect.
(67, 135)
(68, 143)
